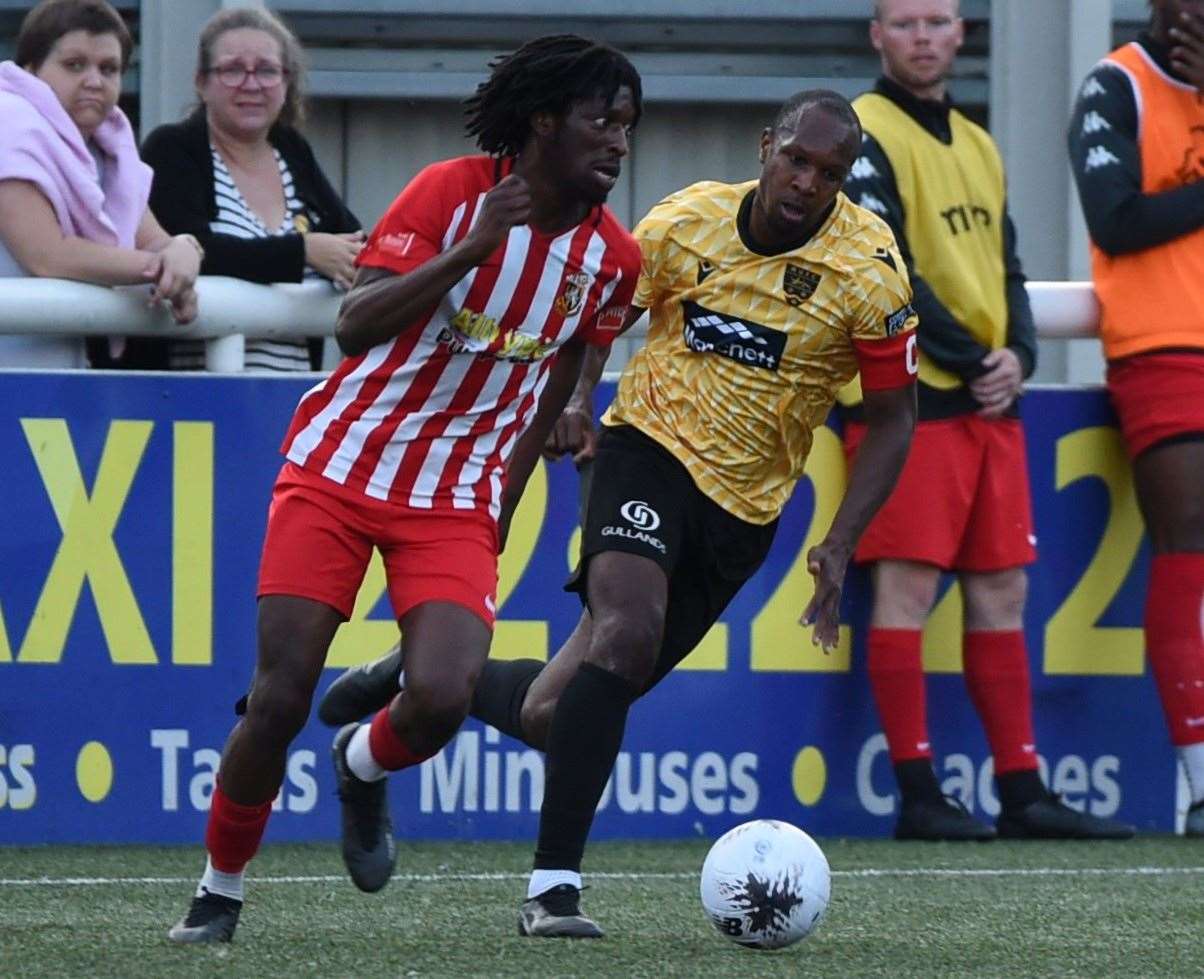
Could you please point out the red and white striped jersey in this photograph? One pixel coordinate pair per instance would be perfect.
(429, 418)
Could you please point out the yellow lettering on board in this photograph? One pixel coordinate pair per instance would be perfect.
(943, 633)
(517, 638)
(86, 550)
(1074, 643)
(192, 545)
(779, 643)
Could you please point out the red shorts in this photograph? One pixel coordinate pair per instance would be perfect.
(962, 502)
(320, 537)
(1157, 396)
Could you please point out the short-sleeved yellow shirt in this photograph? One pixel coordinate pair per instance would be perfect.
(746, 351)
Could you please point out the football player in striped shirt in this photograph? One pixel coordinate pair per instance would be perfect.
(764, 299)
(477, 295)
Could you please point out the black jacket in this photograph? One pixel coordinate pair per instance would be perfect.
(182, 199)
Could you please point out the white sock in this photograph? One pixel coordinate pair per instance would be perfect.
(544, 880)
(1192, 757)
(359, 756)
(219, 882)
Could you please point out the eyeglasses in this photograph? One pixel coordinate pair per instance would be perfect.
(235, 75)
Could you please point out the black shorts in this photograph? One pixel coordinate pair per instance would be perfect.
(643, 501)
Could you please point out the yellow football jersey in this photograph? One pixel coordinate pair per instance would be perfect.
(746, 351)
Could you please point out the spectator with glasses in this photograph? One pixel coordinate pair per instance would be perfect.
(239, 175)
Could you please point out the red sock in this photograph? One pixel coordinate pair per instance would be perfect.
(390, 752)
(234, 831)
(1174, 638)
(996, 667)
(897, 681)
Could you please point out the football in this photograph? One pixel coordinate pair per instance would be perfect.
(765, 884)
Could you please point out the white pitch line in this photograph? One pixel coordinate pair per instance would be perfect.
(436, 878)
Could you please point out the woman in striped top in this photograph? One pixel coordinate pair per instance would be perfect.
(239, 176)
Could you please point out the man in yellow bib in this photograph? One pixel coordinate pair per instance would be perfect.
(962, 503)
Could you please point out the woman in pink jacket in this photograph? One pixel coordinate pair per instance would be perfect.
(73, 192)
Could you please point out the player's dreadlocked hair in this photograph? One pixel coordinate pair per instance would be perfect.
(548, 74)
(833, 102)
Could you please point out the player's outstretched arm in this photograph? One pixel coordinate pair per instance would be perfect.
(562, 379)
(381, 304)
(890, 420)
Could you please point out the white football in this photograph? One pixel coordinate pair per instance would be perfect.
(765, 884)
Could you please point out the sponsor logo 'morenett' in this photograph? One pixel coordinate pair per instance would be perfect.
(751, 344)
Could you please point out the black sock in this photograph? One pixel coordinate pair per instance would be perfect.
(501, 690)
(917, 781)
(583, 742)
(1018, 790)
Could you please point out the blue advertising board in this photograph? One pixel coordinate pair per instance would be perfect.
(133, 508)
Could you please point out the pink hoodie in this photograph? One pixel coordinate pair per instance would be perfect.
(43, 145)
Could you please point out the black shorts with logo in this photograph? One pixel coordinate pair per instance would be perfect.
(643, 501)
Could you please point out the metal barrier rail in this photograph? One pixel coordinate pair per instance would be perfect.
(231, 310)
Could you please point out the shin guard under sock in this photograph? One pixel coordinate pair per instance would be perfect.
(996, 668)
(897, 681)
(1174, 635)
(500, 692)
(389, 751)
(233, 832)
(583, 742)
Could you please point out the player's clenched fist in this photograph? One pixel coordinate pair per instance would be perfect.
(508, 204)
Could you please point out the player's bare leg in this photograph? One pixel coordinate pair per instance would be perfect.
(444, 647)
(294, 636)
(1168, 478)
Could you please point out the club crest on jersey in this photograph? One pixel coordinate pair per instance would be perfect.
(572, 293)
(799, 284)
(751, 344)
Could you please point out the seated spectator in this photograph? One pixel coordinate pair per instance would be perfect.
(239, 176)
(73, 193)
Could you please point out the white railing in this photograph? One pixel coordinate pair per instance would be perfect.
(231, 309)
